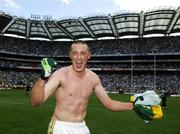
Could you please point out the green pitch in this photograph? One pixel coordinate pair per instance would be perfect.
(18, 117)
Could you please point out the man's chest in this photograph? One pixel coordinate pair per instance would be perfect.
(78, 87)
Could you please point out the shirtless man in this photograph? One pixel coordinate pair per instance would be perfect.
(72, 87)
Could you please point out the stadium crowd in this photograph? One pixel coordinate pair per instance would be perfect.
(113, 66)
(114, 81)
(99, 47)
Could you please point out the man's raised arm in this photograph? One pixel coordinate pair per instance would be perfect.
(42, 89)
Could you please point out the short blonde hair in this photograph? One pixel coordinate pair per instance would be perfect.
(81, 43)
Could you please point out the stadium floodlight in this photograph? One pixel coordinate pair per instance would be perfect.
(47, 17)
(35, 16)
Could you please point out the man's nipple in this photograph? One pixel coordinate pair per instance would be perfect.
(70, 94)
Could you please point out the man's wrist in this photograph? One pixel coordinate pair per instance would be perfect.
(132, 105)
(43, 78)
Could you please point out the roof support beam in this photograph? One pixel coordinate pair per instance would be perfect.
(141, 24)
(112, 24)
(12, 21)
(28, 29)
(173, 21)
(62, 29)
(46, 30)
(88, 30)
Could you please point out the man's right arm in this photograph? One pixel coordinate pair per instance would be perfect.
(42, 89)
(37, 95)
(46, 84)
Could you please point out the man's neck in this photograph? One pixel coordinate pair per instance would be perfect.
(78, 73)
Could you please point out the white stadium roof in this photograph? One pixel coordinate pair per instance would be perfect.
(162, 21)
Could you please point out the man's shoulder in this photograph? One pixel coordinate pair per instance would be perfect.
(61, 70)
(91, 73)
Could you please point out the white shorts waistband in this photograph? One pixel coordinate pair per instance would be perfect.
(70, 124)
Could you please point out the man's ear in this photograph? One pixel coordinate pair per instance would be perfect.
(70, 55)
(89, 56)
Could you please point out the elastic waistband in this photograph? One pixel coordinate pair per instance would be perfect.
(70, 124)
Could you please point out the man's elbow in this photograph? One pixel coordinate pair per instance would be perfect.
(35, 103)
(108, 105)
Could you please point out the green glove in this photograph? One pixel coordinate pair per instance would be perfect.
(47, 65)
(144, 111)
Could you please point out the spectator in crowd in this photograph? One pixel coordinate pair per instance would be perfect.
(27, 88)
(164, 96)
(164, 99)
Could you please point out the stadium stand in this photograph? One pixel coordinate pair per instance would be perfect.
(124, 71)
(124, 65)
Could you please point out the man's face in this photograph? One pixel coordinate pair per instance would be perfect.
(79, 56)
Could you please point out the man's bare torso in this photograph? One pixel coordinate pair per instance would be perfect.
(72, 95)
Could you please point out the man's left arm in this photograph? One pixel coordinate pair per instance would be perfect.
(109, 103)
